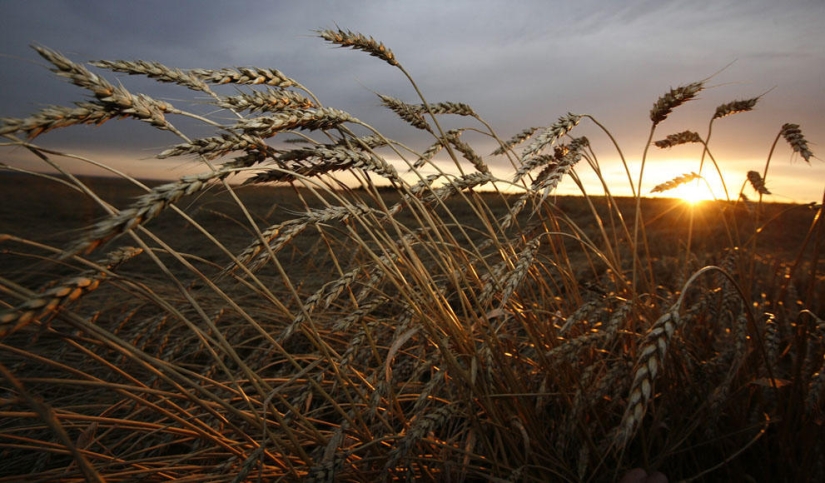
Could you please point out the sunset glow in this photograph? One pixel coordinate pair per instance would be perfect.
(693, 192)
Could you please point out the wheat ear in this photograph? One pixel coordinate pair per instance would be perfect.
(675, 182)
(546, 138)
(68, 290)
(146, 208)
(651, 357)
(294, 164)
(758, 183)
(793, 135)
(515, 140)
(514, 278)
(408, 112)
(566, 158)
(245, 76)
(114, 99)
(679, 138)
(155, 70)
(269, 100)
(56, 117)
(673, 99)
(735, 107)
(359, 42)
(214, 147)
(309, 119)
(419, 428)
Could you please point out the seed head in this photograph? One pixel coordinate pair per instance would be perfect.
(679, 138)
(359, 42)
(793, 135)
(673, 99)
(675, 182)
(735, 107)
(758, 183)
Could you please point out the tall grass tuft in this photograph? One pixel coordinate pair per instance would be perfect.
(323, 303)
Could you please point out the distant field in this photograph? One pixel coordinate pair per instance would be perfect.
(46, 211)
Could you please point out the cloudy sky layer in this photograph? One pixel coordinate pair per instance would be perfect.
(518, 63)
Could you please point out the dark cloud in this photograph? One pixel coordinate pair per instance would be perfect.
(518, 63)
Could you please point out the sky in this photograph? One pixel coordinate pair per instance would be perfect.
(517, 63)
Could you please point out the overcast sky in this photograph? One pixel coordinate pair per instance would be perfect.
(518, 63)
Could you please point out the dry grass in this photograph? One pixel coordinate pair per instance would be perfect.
(404, 327)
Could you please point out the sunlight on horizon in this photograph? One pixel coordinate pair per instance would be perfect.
(785, 182)
(692, 193)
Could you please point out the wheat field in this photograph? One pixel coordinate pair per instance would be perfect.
(323, 303)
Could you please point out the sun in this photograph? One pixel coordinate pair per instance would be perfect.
(692, 193)
(693, 189)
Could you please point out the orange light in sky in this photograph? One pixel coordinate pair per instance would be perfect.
(692, 192)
